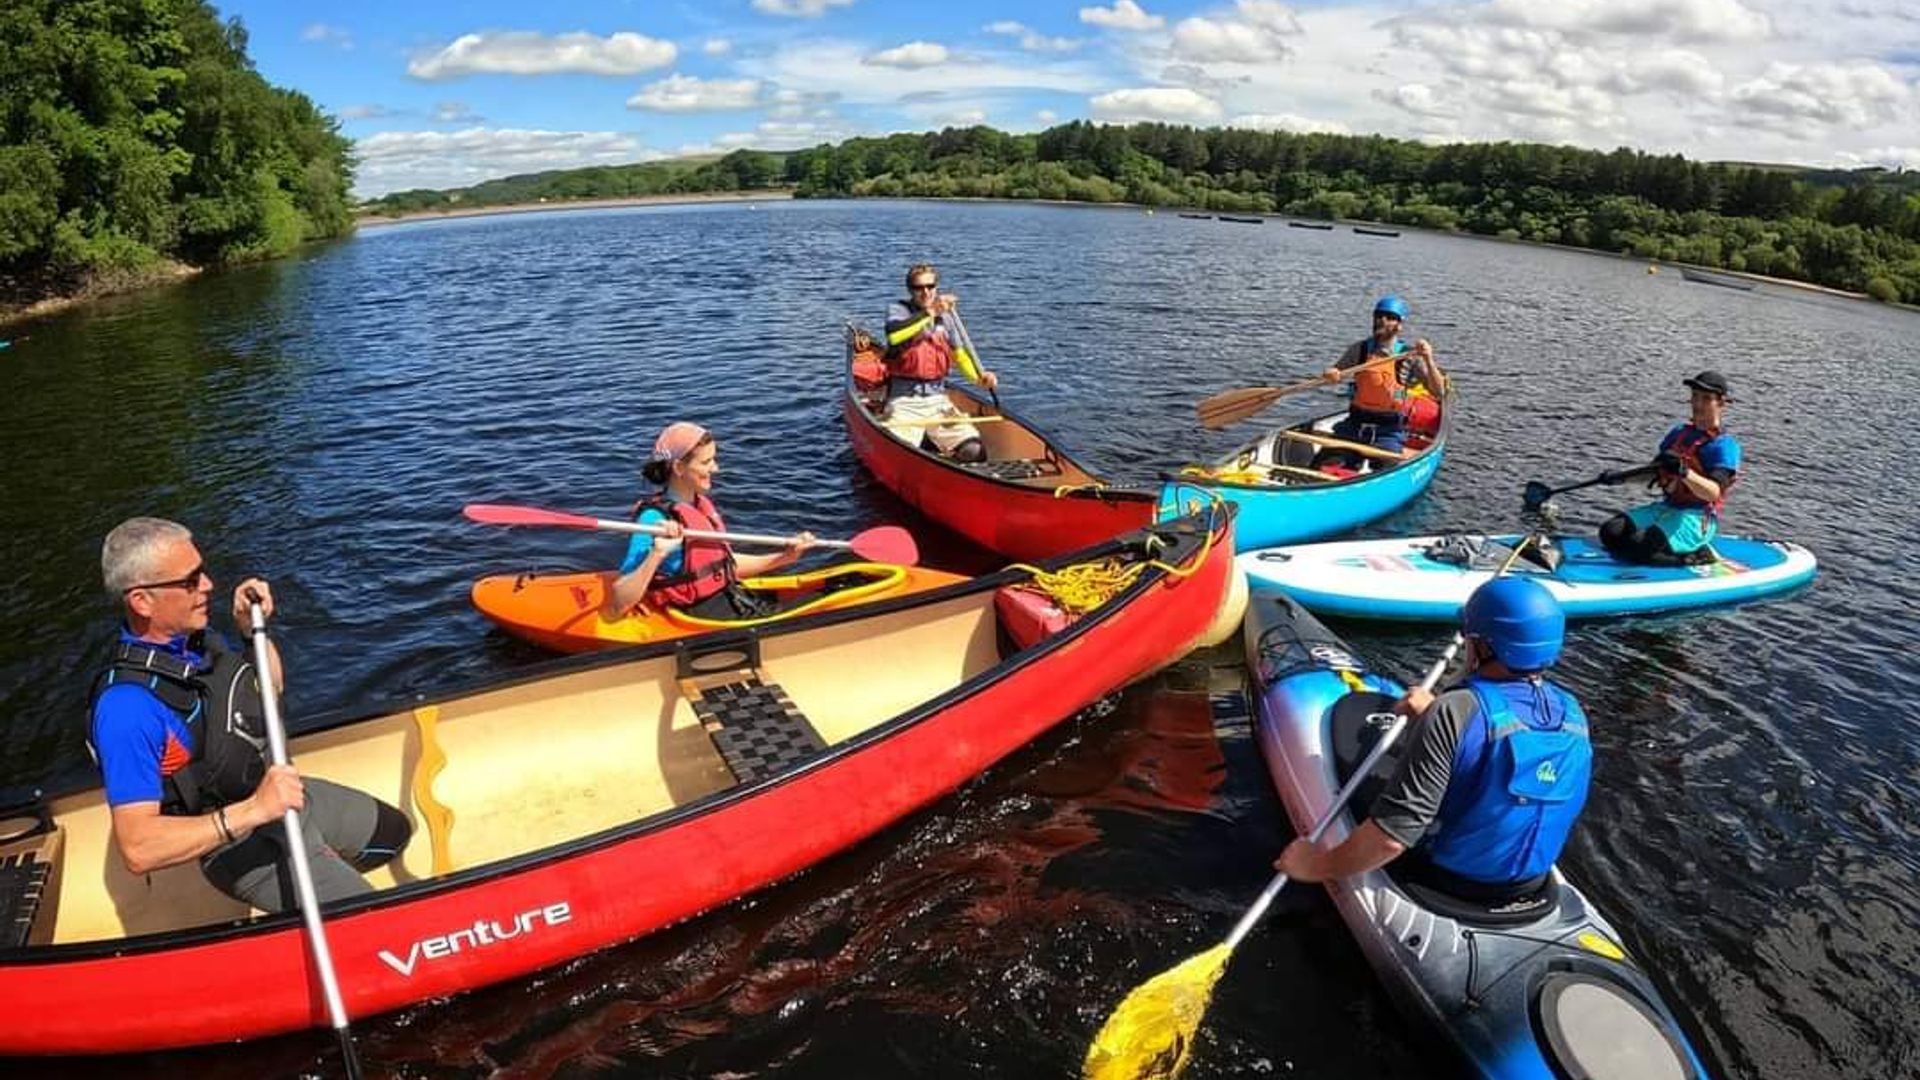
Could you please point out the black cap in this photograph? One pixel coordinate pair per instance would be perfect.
(1710, 381)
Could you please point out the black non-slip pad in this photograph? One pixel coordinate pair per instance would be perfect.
(760, 731)
(23, 879)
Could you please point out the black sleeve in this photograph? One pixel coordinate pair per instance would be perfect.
(1406, 808)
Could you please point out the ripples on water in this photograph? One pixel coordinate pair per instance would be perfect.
(322, 420)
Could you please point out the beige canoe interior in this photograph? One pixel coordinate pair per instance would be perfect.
(535, 765)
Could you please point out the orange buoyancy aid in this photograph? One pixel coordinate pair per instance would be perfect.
(706, 566)
(1380, 389)
(1686, 445)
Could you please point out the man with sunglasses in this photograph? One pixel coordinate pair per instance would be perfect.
(924, 342)
(1377, 414)
(177, 727)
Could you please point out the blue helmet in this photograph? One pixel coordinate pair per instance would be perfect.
(1393, 306)
(1519, 620)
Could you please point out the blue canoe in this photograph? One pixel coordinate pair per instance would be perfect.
(1539, 989)
(1421, 579)
(1285, 499)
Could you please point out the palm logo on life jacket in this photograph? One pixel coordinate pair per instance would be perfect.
(1381, 389)
(706, 566)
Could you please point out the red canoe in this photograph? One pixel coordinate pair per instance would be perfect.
(593, 799)
(1029, 500)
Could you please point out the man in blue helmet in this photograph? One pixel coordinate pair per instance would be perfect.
(1380, 394)
(1497, 769)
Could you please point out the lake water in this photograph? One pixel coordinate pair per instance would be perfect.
(321, 421)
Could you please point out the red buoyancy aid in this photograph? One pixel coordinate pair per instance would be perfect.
(706, 566)
(1686, 445)
(1379, 390)
(926, 358)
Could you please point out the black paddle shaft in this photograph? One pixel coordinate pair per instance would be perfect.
(1538, 493)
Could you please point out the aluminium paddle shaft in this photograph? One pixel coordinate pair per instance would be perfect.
(297, 846)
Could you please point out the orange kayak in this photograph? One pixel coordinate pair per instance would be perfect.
(562, 611)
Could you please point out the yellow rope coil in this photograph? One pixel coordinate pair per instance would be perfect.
(1081, 587)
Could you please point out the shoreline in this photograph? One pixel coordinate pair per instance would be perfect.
(367, 221)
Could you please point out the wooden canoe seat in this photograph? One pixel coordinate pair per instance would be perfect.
(757, 728)
(29, 886)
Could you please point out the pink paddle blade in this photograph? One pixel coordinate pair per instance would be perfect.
(500, 514)
(886, 544)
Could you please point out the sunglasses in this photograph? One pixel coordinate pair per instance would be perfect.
(923, 286)
(190, 582)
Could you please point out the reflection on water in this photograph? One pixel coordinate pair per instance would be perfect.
(322, 421)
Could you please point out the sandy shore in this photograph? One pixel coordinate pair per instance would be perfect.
(366, 221)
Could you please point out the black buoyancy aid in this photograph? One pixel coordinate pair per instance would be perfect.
(221, 708)
(706, 566)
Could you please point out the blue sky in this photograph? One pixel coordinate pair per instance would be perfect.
(440, 94)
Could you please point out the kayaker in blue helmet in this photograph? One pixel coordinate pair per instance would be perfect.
(1380, 395)
(1696, 466)
(1496, 773)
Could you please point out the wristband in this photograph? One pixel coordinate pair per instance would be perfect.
(220, 823)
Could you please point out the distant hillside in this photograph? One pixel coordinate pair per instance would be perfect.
(741, 170)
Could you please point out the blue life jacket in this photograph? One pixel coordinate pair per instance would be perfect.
(1519, 780)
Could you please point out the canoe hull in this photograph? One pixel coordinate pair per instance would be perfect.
(502, 920)
(1018, 520)
(1481, 991)
(1396, 580)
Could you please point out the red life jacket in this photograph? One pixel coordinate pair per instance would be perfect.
(706, 566)
(1379, 390)
(927, 358)
(1687, 447)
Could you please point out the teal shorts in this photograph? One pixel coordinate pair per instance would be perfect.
(1687, 528)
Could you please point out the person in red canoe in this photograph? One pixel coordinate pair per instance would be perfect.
(924, 342)
(701, 577)
(178, 729)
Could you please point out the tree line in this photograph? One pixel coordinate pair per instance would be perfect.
(136, 133)
(741, 170)
(1857, 230)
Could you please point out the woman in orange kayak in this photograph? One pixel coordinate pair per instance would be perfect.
(675, 571)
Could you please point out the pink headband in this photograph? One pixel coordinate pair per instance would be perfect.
(674, 443)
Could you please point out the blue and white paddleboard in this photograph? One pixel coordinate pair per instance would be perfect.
(1402, 579)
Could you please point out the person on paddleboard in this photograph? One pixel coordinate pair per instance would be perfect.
(1697, 464)
(698, 576)
(925, 342)
(1383, 395)
(1497, 771)
(178, 730)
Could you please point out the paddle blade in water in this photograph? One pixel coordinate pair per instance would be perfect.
(1536, 495)
(1232, 406)
(886, 544)
(1151, 1034)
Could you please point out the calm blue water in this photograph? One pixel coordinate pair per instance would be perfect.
(322, 421)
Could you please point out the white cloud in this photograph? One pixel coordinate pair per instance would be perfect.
(364, 112)
(686, 94)
(1255, 33)
(393, 160)
(716, 46)
(1682, 72)
(837, 68)
(1288, 122)
(1416, 98)
(1801, 99)
(783, 135)
(1167, 104)
(1030, 39)
(524, 52)
(1667, 20)
(1046, 116)
(1890, 157)
(454, 112)
(322, 32)
(914, 54)
(1123, 15)
(798, 9)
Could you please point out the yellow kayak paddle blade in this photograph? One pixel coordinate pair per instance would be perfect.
(1151, 1034)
